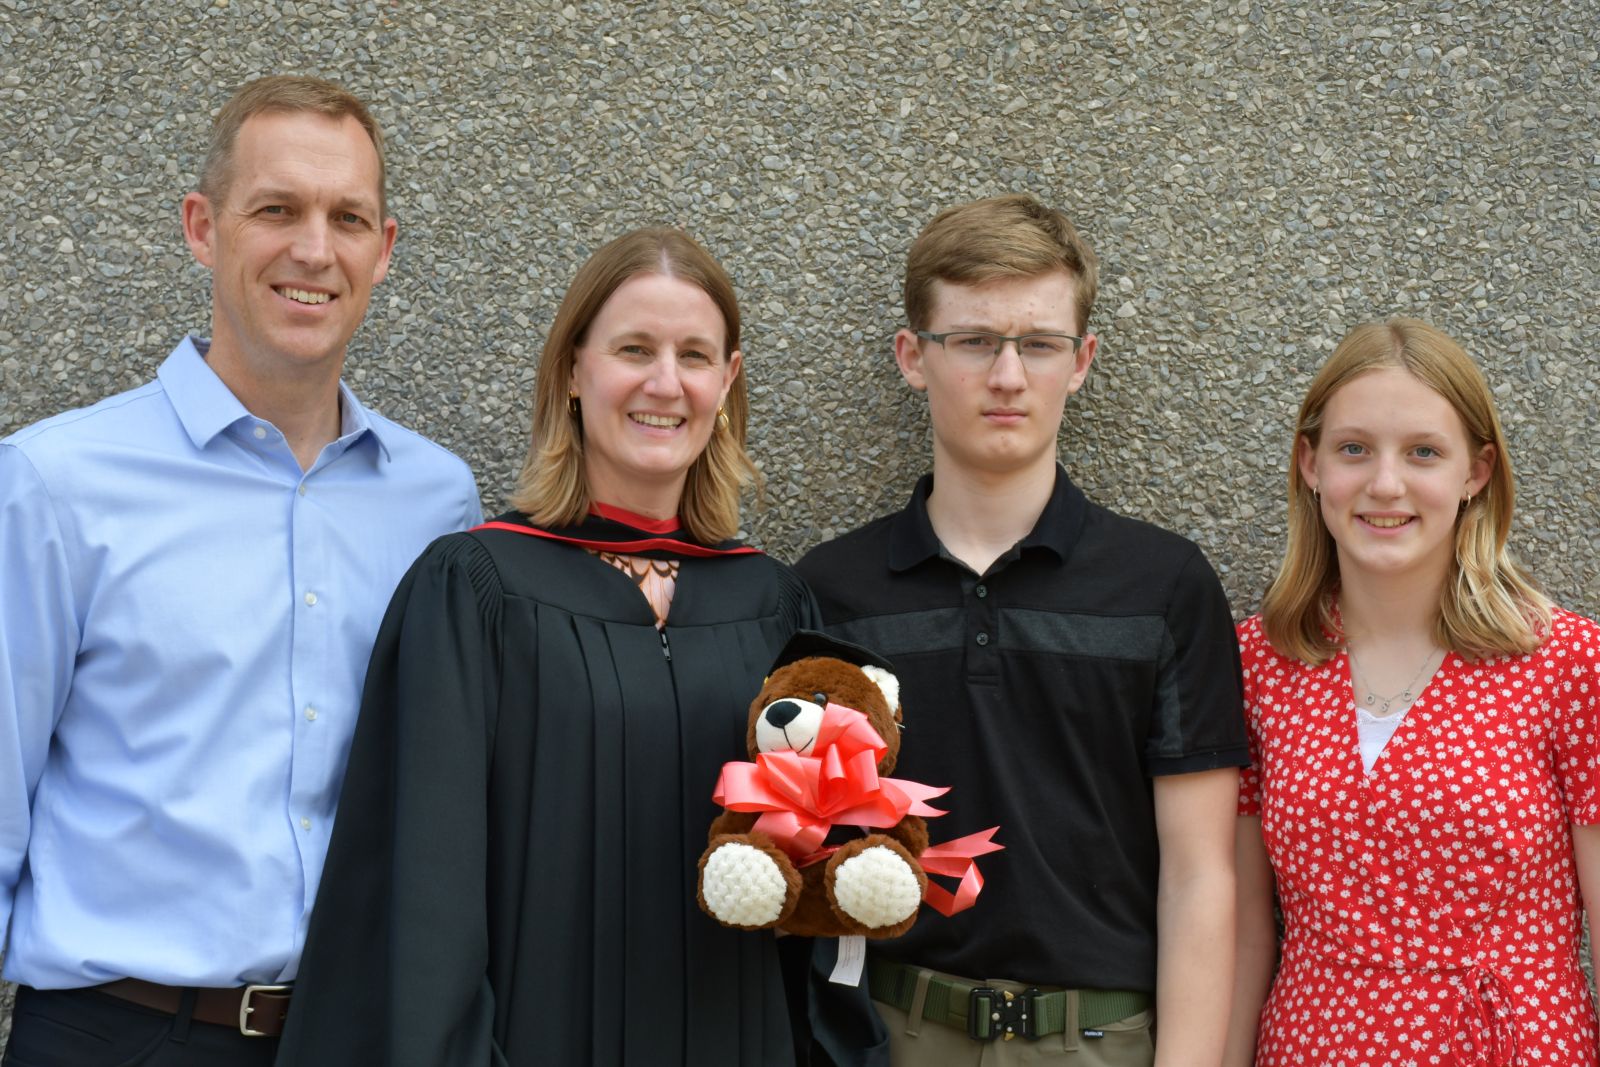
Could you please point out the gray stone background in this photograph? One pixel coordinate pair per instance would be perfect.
(1256, 178)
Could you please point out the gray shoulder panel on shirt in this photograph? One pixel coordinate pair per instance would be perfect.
(1116, 637)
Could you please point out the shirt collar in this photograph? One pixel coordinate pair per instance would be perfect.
(356, 419)
(912, 540)
(206, 407)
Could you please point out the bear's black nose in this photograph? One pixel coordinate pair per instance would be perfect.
(781, 713)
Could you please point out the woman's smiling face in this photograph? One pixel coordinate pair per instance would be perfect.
(649, 378)
(1392, 465)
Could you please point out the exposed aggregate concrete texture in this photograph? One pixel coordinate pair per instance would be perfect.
(1255, 177)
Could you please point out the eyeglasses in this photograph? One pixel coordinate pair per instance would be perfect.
(983, 347)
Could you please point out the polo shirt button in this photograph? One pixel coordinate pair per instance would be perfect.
(301, 490)
(260, 432)
(305, 824)
(311, 599)
(983, 638)
(982, 591)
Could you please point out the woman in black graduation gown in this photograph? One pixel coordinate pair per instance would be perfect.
(511, 879)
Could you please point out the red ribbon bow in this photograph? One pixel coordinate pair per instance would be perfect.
(802, 797)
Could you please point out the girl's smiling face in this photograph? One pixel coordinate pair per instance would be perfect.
(1392, 464)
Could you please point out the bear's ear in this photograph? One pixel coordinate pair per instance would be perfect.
(886, 681)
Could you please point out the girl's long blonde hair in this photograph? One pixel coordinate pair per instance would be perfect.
(1490, 605)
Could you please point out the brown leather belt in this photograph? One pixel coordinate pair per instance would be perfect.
(253, 1010)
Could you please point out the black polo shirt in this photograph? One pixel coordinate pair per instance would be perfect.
(1095, 654)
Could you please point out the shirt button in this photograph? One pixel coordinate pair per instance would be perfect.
(260, 432)
(311, 713)
(311, 598)
(983, 638)
(301, 490)
(982, 591)
(305, 824)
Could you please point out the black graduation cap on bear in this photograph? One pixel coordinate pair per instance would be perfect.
(806, 643)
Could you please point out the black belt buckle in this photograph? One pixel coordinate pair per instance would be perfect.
(993, 1013)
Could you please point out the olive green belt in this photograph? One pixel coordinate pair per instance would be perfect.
(986, 1013)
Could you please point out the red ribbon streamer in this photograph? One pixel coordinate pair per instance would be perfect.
(802, 797)
(957, 859)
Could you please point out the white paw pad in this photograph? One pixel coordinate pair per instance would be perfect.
(743, 886)
(877, 888)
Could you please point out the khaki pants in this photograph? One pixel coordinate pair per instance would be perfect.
(923, 1043)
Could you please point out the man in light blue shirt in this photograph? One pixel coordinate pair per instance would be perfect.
(193, 573)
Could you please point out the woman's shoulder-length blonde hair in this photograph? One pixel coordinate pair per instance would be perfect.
(551, 489)
(1490, 605)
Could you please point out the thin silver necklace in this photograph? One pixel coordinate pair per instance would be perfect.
(1404, 696)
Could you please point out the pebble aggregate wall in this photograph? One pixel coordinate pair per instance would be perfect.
(1256, 178)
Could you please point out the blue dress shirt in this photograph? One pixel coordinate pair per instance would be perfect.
(185, 621)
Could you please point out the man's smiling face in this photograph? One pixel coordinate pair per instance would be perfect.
(295, 244)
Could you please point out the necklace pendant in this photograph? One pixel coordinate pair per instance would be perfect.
(1406, 697)
(1386, 707)
(1370, 699)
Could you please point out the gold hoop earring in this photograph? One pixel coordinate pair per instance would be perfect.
(572, 404)
(1316, 495)
(722, 419)
(1466, 502)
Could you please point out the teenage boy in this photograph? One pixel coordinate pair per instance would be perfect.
(1071, 673)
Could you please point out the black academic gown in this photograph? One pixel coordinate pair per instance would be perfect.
(512, 874)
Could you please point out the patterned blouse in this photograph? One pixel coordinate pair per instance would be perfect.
(656, 579)
(1431, 907)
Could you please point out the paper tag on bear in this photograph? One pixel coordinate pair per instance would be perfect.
(852, 958)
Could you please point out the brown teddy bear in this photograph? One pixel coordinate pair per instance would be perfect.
(817, 840)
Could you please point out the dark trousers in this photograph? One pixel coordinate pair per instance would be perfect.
(87, 1028)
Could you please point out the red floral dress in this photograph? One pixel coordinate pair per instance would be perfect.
(1431, 910)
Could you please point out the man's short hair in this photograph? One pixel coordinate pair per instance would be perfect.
(281, 92)
(1012, 236)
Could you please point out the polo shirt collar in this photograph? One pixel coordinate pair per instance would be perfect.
(912, 540)
(206, 407)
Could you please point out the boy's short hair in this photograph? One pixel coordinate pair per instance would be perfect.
(1011, 236)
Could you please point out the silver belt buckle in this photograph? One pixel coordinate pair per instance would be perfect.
(245, 1008)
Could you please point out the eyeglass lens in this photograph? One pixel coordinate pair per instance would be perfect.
(986, 345)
